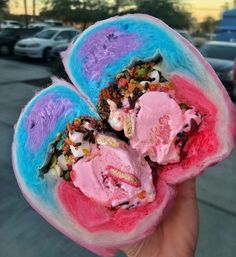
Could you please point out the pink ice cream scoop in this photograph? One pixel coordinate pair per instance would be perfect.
(158, 121)
(114, 177)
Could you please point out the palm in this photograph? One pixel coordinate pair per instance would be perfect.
(177, 234)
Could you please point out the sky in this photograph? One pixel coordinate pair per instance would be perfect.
(203, 8)
(199, 8)
(17, 6)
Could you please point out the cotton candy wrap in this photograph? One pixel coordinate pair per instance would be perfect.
(96, 57)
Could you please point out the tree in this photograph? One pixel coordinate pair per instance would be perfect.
(170, 11)
(208, 25)
(3, 4)
(84, 11)
(3, 7)
(122, 6)
(225, 6)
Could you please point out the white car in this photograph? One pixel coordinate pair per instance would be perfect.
(54, 23)
(12, 24)
(46, 24)
(38, 25)
(41, 44)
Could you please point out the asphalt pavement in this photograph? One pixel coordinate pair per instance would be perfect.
(24, 233)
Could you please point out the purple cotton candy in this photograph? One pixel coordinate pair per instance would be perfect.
(43, 118)
(103, 48)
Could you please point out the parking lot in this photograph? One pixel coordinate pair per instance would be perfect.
(22, 227)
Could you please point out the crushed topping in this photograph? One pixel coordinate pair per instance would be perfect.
(74, 143)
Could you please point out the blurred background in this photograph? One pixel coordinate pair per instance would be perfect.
(33, 33)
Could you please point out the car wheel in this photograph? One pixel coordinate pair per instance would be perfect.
(47, 55)
(5, 50)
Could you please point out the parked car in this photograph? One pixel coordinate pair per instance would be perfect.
(38, 25)
(46, 24)
(234, 77)
(234, 72)
(57, 67)
(186, 35)
(9, 37)
(5, 24)
(41, 44)
(201, 38)
(221, 56)
(56, 50)
(54, 23)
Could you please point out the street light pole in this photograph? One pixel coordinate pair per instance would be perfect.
(34, 6)
(26, 15)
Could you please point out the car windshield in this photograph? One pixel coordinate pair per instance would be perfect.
(14, 23)
(46, 34)
(224, 52)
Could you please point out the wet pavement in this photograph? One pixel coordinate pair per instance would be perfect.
(25, 233)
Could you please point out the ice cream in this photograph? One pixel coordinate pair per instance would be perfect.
(102, 167)
(159, 123)
(142, 103)
(115, 177)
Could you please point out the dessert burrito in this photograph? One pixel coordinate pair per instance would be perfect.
(99, 159)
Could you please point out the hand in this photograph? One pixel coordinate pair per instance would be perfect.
(177, 234)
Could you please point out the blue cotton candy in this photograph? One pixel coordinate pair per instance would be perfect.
(112, 45)
(46, 115)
